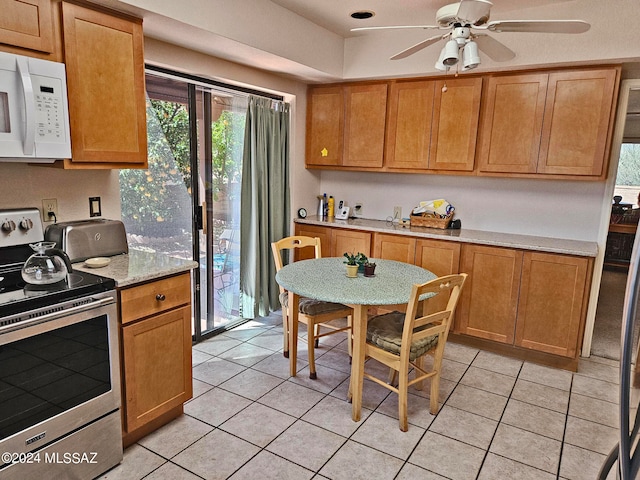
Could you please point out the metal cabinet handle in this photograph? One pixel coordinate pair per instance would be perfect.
(160, 297)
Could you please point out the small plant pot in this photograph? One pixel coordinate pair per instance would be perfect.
(369, 270)
(352, 271)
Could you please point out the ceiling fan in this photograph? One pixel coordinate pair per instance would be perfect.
(463, 20)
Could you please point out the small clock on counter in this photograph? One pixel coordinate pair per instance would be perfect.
(302, 213)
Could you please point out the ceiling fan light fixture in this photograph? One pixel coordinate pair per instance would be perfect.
(470, 56)
(439, 65)
(450, 56)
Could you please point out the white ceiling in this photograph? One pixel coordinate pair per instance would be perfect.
(310, 40)
(334, 15)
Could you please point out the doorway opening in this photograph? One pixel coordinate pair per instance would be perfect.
(625, 213)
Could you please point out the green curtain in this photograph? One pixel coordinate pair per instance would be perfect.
(265, 204)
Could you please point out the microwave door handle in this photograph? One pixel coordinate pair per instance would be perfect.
(30, 106)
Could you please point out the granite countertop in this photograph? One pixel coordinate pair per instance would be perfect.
(139, 266)
(480, 237)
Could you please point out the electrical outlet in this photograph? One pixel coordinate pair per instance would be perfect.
(397, 213)
(357, 209)
(50, 210)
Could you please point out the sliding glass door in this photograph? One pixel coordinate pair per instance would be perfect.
(187, 202)
(220, 128)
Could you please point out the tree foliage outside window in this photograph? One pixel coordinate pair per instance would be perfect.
(156, 201)
(629, 165)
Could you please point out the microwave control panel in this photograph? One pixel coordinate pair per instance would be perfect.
(50, 123)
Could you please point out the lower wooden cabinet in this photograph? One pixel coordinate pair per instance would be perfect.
(490, 296)
(441, 258)
(394, 247)
(156, 353)
(536, 301)
(517, 302)
(552, 303)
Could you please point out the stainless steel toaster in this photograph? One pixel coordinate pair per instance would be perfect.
(84, 239)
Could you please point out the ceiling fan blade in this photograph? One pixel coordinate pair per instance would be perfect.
(544, 26)
(493, 48)
(417, 47)
(475, 12)
(396, 27)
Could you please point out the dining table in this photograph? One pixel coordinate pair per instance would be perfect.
(325, 279)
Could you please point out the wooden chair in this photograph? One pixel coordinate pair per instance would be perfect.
(400, 341)
(313, 313)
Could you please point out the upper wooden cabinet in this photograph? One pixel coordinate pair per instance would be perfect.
(365, 114)
(105, 79)
(32, 25)
(578, 116)
(409, 124)
(544, 124)
(346, 125)
(325, 125)
(562, 124)
(455, 124)
(428, 128)
(510, 140)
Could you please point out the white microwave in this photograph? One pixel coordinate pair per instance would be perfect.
(34, 112)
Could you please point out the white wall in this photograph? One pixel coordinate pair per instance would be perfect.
(23, 185)
(548, 208)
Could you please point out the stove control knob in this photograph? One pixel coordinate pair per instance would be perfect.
(26, 224)
(8, 226)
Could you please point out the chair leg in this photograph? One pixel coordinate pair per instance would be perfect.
(402, 399)
(316, 332)
(435, 388)
(285, 331)
(311, 340)
(350, 335)
(392, 376)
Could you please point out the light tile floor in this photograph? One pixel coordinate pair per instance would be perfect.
(501, 419)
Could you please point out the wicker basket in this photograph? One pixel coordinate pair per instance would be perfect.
(431, 222)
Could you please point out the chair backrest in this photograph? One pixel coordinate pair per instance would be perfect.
(290, 244)
(448, 285)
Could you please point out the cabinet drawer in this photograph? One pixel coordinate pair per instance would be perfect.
(155, 297)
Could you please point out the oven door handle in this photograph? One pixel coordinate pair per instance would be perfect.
(60, 314)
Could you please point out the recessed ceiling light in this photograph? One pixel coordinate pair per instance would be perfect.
(362, 15)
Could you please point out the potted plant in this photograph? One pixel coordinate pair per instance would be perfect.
(369, 269)
(352, 263)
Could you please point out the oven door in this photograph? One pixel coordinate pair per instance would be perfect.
(59, 371)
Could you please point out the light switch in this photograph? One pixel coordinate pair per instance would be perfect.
(95, 209)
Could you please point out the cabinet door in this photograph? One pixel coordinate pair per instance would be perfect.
(575, 134)
(394, 247)
(323, 233)
(349, 241)
(490, 295)
(365, 116)
(156, 366)
(27, 24)
(455, 124)
(441, 258)
(552, 303)
(105, 78)
(409, 125)
(510, 137)
(325, 123)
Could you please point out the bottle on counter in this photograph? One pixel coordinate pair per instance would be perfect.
(322, 205)
(331, 206)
